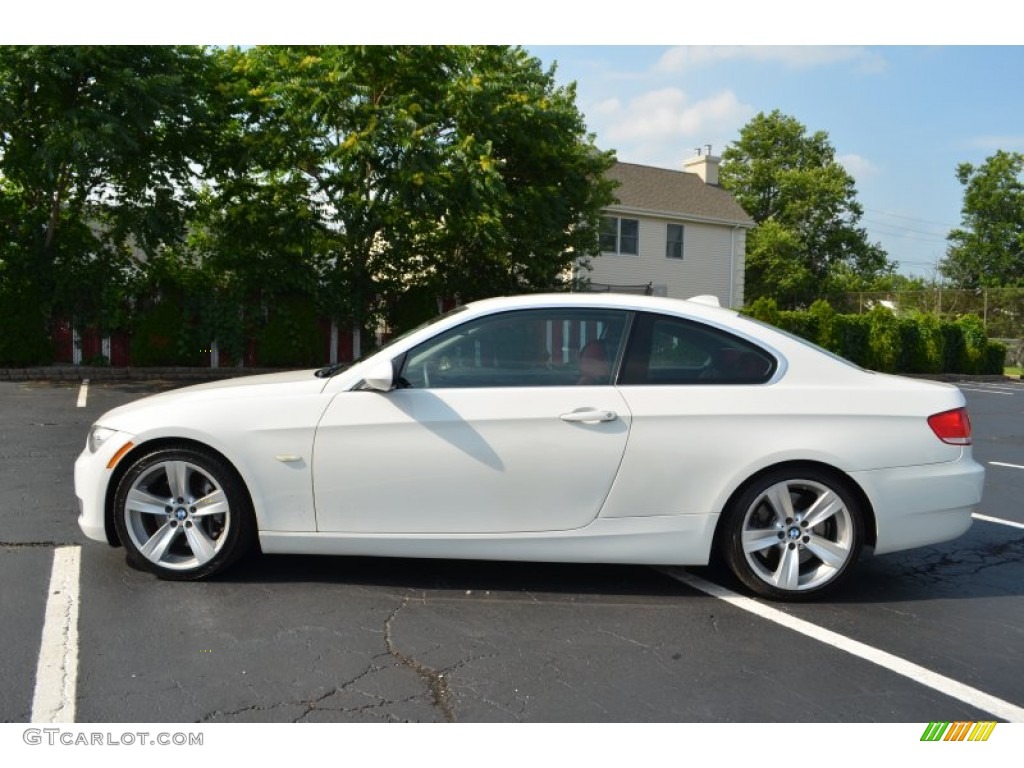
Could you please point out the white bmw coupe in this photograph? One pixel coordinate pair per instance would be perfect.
(575, 428)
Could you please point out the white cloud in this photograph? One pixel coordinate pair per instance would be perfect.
(858, 166)
(669, 114)
(688, 57)
(662, 127)
(994, 143)
(607, 107)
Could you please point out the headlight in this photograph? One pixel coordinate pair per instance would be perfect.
(98, 436)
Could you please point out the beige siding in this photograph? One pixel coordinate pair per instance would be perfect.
(739, 297)
(710, 254)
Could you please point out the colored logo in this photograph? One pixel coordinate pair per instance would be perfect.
(959, 731)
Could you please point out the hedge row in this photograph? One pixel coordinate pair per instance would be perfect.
(23, 338)
(909, 342)
(287, 334)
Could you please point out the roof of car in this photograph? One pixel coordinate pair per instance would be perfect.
(621, 300)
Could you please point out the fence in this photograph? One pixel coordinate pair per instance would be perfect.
(74, 345)
(1000, 309)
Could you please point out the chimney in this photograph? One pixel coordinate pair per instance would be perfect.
(704, 164)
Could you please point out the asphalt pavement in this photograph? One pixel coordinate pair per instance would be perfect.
(282, 638)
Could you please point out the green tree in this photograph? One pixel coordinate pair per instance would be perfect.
(988, 249)
(246, 186)
(808, 237)
(448, 169)
(98, 149)
(545, 181)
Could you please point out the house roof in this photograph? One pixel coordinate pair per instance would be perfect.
(674, 194)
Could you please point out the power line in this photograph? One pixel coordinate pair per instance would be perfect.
(907, 234)
(910, 218)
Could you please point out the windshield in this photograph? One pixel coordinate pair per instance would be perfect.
(331, 370)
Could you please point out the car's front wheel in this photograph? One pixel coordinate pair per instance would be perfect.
(793, 534)
(183, 514)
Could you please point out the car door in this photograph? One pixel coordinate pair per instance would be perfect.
(506, 423)
(700, 399)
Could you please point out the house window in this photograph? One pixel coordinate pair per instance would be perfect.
(620, 235)
(674, 242)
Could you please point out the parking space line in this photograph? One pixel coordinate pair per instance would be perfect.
(987, 391)
(1007, 386)
(57, 669)
(83, 393)
(944, 685)
(987, 519)
(1004, 464)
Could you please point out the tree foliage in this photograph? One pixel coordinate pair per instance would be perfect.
(808, 237)
(97, 151)
(248, 186)
(988, 249)
(375, 171)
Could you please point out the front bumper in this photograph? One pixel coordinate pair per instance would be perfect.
(92, 477)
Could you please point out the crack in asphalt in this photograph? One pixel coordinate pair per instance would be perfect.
(952, 566)
(521, 699)
(36, 544)
(219, 713)
(624, 639)
(435, 680)
(316, 704)
(309, 705)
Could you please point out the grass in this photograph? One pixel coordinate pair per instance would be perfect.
(1012, 370)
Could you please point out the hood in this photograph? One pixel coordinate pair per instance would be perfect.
(244, 382)
(288, 383)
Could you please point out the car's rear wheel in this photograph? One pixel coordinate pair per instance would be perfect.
(183, 514)
(793, 534)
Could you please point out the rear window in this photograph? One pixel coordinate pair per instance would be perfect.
(671, 350)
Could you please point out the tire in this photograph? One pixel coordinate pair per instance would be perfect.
(793, 534)
(183, 514)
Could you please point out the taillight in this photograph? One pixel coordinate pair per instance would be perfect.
(953, 427)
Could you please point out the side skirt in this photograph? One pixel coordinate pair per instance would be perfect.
(666, 540)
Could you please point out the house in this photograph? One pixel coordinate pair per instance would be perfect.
(672, 233)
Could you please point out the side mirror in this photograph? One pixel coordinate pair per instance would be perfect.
(381, 377)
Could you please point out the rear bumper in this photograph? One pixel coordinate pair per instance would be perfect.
(917, 506)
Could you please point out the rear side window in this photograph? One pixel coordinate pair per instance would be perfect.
(671, 351)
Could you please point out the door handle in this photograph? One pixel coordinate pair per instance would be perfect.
(589, 416)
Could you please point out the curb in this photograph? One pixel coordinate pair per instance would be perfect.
(104, 373)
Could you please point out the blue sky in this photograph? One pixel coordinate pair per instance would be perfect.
(900, 118)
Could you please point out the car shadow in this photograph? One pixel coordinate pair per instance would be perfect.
(983, 565)
(455, 575)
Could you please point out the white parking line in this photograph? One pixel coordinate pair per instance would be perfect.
(83, 393)
(57, 669)
(1008, 385)
(1004, 464)
(987, 391)
(944, 685)
(987, 519)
